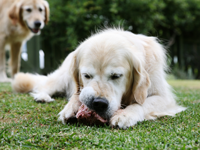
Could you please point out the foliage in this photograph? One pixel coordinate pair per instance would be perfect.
(73, 21)
(25, 124)
(180, 74)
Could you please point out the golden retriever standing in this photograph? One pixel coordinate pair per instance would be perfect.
(117, 74)
(19, 21)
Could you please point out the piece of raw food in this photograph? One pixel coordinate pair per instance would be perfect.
(87, 116)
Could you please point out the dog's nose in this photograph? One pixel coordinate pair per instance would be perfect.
(100, 104)
(37, 24)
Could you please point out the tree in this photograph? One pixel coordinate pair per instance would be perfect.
(73, 21)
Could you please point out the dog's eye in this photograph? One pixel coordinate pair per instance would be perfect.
(115, 76)
(28, 10)
(87, 76)
(40, 9)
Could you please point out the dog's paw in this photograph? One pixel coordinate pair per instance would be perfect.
(124, 119)
(42, 97)
(66, 114)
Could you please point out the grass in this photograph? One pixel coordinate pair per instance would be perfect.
(25, 124)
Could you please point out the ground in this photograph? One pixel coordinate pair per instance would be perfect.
(25, 124)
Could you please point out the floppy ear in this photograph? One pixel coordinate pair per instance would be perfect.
(141, 84)
(75, 73)
(47, 11)
(15, 13)
(137, 87)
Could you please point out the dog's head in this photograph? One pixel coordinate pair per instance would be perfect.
(108, 71)
(32, 14)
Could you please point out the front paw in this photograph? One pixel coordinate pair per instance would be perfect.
(70, 109)
(124, 119)
(67, 113)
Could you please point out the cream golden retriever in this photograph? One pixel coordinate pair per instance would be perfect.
(19, 20)
(117, 74)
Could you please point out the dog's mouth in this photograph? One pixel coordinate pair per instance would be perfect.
(84, 114)
(34, 30)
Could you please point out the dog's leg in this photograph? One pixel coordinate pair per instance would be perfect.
(70, 109)
(3, 77)
(153, 107)
(41, 87)
(14, 63)
(58, 81)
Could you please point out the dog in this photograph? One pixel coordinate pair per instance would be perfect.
(117, 74)
(20, 20)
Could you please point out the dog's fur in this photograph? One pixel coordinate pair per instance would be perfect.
(126, 69)
(19, 20)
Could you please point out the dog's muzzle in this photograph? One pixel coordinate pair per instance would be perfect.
(37, 25)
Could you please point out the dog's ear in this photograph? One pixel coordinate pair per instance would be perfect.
(74, 69)
(137, 88)
(140, 85)
(15, 13)
(47, 11)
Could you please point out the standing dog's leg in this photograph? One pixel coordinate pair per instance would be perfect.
(3, 77)
(15, 58)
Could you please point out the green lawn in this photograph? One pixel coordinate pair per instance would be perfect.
(25, 124)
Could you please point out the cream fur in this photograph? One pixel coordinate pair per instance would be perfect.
(17, 25)
(138, 64)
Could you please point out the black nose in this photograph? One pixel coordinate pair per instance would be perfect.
(100, 104)
(37, 24)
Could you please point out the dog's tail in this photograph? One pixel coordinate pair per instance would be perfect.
(24, 82)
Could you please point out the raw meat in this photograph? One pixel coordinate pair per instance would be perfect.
(88, 116)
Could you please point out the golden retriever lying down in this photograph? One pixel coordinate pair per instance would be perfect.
(116, 74)
(19, 20)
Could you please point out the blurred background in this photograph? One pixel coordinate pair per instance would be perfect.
(175, 22)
